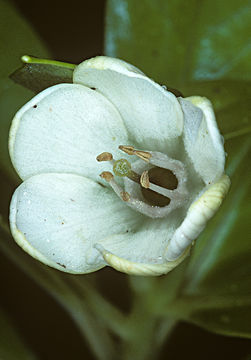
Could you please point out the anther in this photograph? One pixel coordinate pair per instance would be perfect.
(104, 156)
(144, 155)
(125, 196)
(144, 180)
(107, 176)
(127, 149)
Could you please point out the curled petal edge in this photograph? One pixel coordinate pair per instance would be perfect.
(178, 249)
(201, 210)
(141, 269)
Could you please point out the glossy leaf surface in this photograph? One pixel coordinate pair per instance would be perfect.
(16, 38)
(202, 48)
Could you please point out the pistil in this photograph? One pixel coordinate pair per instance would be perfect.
(122, 168)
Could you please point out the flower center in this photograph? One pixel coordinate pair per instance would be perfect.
(154, 185)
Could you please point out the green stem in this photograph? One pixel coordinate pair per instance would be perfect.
(33, 60)
(147, 332)
(237, 133)
(148, 329)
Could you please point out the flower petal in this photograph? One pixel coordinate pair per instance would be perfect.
(151, 114)
(57, 218)
(148, 244)
(142, 269)
(63, 129)
(202, 138)
(201, 210)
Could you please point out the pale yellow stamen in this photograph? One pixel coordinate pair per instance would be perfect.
(125, 196)
(104, 156)
(144, 155)
(127, 149)
(144, 180)
(107, 176)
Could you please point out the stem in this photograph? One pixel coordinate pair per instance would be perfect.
(33, 60)
(147, 338)
(237, 133)
(147, 332)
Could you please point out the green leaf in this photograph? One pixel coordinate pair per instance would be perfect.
(183, 45)
(218, 279)
(216, 290)
(39, 74)
(89, 310)
(178, 41)
(230, 99)
(11, 344)
(201, 48)
(16, 38)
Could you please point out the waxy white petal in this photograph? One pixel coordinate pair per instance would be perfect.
(201, 210)
(64, 217)
(151, 114)
(148, 244)
(142, 269)
(63, 129)
(202, 138)
(57, 218)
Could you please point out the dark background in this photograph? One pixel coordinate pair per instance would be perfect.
(72, 32)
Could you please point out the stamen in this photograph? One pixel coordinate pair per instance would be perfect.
(144, 155)
(107, 176)
(162, 185)
(144, 180)
(136, 204)
(104, 156)
(125, 196)
(127, 149)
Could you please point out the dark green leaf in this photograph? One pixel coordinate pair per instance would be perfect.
(178, 41)
(37, 77)
(216, 290)
(75, 293)
(16, 38)
(183, 45)
(11, 344)
(230, 99)
(202, 48)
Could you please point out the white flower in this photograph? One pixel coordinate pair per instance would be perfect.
(142, 215)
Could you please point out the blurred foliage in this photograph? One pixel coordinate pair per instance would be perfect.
(177, 41)
(202, 48)
(215, 291)
(11, 345)
(16, 38)
(90, 311)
